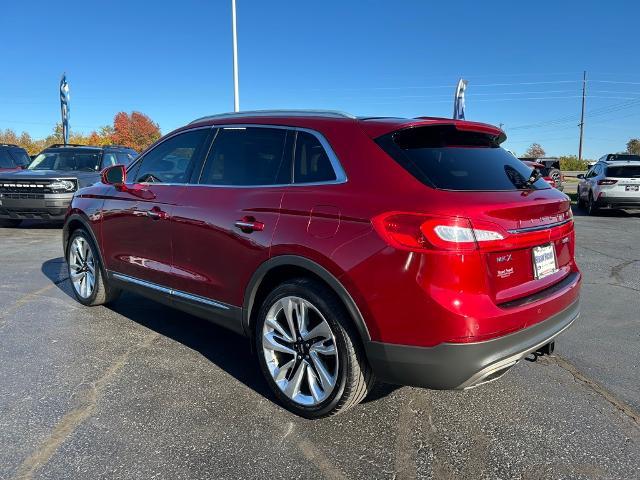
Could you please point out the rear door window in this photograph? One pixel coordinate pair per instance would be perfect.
(246, 156)
(172, 160)
(311, 164)
(450, 159)
(624, 171)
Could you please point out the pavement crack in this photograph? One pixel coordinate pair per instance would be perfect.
(578, 376)
(70, 422)
(616, 270)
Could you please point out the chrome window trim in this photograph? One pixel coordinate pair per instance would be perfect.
(170, 291)
(341, 176)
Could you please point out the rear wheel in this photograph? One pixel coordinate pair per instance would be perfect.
(86, 273)
(555, 174)
(592, 206)
(10, 223)
(309, 351)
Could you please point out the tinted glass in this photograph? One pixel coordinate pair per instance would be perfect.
(447, 158)
(624, 171)
(311, 162)
(76, 159)
(124, 159)
(172, 160)
(6, 161)
(245, 156)
(20, 156)
(108, 159)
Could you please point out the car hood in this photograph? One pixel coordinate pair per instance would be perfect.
(84, 178)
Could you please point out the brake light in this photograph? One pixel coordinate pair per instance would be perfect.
(415, 232)
(607, 181)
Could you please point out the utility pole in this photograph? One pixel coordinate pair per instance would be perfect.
(584, 91)
(236, 94)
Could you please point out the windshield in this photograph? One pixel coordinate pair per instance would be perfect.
(20, 157)
(83, 160)
(447, 158)
(6, 161)
(624, 171)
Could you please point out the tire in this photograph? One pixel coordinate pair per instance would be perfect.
(346, 366)
(10, 223)
(592, 206)
(556, 175)
(579, 202)
(85, 262)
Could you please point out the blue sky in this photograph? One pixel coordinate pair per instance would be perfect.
(172, 61)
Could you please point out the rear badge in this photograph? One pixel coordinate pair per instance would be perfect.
(504, 258)
(507, 272)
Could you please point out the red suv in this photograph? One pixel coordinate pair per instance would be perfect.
(412, 251)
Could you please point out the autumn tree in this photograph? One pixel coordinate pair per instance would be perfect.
(535, 151)
(136, 130)
(633, 146)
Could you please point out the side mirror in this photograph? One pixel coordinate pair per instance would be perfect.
(580, 176)
(114, 175)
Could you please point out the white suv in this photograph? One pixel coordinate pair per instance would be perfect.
(614, 181)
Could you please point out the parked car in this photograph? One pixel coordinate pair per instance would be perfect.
(543, 172)
(613, 182)
(13, 157)
(550, 169)
(414, 251)
(44, 189)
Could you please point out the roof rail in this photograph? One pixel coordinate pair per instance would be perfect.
(9, 145)
(277, 113)
(116, 146)
(58, 145)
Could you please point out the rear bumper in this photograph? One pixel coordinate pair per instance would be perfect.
(463, 365)
(34, 206)
(630, 202)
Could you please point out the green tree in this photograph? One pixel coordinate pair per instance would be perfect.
(633, 146)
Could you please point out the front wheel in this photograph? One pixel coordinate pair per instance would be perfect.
(309, 351)
(86, 273)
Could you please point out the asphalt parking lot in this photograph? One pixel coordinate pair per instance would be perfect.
(139, 390)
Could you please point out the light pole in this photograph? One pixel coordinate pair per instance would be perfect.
(236, 94)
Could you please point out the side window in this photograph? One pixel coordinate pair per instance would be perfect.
(246, 156)
(172, 160)
(108, 159)
(311, 162)
(592, 172)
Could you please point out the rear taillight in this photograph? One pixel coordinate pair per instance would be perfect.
(607, 181)
(416, 232)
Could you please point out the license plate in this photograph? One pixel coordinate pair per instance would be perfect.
(544, 261)
(632, 188)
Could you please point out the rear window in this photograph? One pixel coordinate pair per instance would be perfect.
(441, 156)
(624, 171)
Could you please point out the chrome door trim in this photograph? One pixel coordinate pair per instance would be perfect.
(170, 291)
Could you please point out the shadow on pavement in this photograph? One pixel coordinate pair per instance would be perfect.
(229, 351)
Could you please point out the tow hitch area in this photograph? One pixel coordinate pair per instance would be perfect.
(544, 350)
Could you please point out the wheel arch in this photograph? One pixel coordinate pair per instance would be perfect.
(74, 222)
(278, 269)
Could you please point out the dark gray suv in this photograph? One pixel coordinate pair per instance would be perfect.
(45, 188)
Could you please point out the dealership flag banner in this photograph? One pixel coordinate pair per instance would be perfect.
(458, 103)
(64, 107)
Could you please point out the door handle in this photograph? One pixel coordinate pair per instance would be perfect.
(249, 224)
(157, 214)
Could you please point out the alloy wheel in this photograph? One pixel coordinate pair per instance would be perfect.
(82, 267)
(300, 351)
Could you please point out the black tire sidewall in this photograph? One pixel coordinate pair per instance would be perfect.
(89, 301)
(324, 300)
